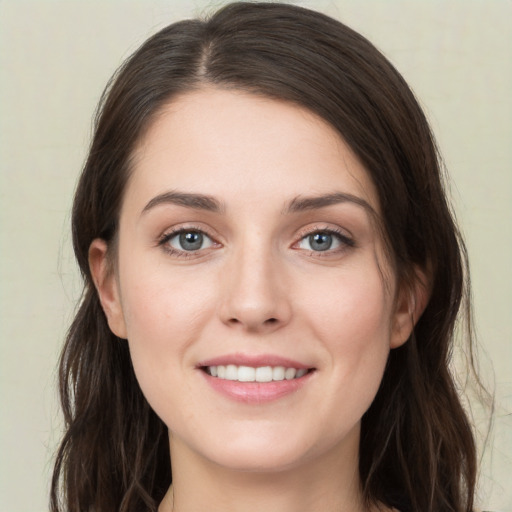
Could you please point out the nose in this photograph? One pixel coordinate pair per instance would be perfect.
(255, 294)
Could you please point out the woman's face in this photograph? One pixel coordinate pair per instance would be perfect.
(251, 282)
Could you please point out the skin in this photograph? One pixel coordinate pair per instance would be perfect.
(255, 287)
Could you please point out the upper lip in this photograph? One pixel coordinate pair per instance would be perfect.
(254, 361)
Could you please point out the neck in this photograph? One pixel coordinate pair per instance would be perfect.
(328, 484)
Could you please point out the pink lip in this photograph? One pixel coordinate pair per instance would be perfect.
(253, 361)
(254, 392)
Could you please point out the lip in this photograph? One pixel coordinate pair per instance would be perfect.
(255, 392)
(253, 360)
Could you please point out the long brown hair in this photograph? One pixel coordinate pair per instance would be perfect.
(417, 449)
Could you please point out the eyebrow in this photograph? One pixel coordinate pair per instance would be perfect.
(300, 204)
(186, 199)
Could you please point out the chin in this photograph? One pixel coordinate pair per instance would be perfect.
(258, 461)
(266, 452)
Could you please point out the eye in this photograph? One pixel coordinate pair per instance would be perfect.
(188, 240)
(326, 240)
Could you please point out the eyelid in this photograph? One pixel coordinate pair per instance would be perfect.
(346, 240)
(170, 233)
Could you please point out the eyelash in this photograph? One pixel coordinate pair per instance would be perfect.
(168, 236)
(344, 240)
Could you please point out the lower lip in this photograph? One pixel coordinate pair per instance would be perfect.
(256, 392)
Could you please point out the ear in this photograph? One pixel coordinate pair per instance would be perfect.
(410, 303)
(105, 281)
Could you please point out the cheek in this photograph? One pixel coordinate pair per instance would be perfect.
(162, 323)
(163, 302)
(353, 311)
(353, 321)
(163, 318)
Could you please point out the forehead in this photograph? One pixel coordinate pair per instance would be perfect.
(243, 147)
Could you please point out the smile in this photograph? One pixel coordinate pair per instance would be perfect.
(252, 374)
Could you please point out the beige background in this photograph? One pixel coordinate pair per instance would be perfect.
(55, 58)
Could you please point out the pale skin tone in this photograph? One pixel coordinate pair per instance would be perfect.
(286, 261)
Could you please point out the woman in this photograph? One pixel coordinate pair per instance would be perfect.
(272, 278)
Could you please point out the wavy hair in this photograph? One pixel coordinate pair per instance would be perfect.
(417, 448)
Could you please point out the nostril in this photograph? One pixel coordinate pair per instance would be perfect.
(253, 323)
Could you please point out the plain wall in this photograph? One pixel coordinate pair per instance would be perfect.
(56, 57)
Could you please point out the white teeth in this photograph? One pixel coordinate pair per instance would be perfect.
(278, 373)
(231, 372)
(260, 374)
(246, 374)
(264, 374)
(289, 374)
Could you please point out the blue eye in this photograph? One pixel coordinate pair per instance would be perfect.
(321, 241)
(188, 240)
